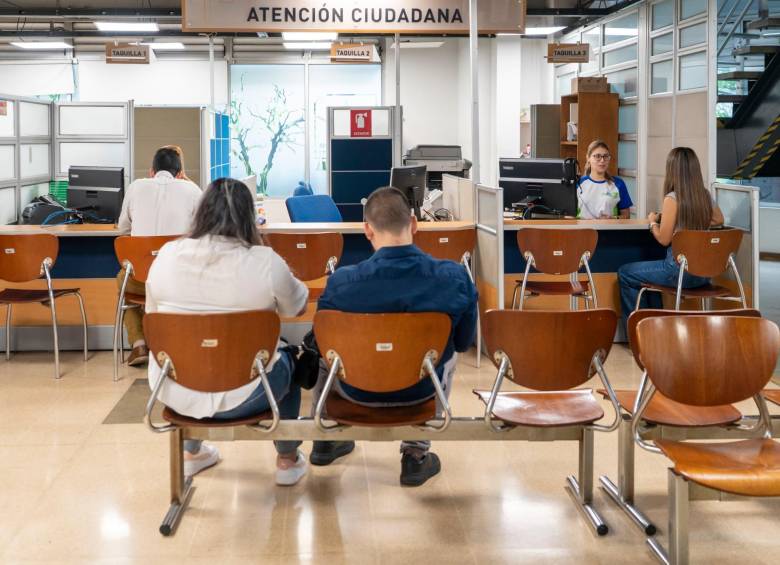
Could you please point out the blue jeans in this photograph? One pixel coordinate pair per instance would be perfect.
(664, 272)
(286, 393)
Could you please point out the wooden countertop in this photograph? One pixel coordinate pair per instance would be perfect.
(514, 225)
(109, 230)
(355, 227)
(69, 230)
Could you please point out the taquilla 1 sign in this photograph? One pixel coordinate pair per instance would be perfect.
(349, 16)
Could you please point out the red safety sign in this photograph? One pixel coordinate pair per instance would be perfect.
(360, 123)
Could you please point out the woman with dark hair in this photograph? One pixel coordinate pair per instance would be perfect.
(687, 205)
(599, 194)
(227, 269)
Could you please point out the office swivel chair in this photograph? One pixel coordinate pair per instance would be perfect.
(313, 208)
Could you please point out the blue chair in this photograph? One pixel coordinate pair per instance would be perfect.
(303, 189)
(314, 208)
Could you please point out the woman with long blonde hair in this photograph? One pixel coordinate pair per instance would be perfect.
(688, 205)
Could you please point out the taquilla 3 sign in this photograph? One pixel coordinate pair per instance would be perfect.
(383, 16)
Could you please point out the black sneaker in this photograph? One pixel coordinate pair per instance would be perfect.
(326, 452)
(414, 472)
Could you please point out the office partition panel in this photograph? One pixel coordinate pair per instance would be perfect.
(489, 258)
(739, 204)
(93, 134)
(25, 152)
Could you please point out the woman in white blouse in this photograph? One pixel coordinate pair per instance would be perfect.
(222, 266)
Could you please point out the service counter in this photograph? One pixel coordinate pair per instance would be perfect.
(86, 260)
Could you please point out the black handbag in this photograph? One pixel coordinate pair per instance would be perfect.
(306, 359)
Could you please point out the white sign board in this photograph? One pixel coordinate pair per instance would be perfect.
(392, 16)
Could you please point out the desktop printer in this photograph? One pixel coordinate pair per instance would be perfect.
(439, 160)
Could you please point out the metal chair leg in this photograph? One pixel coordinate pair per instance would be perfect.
(679, 502)
(8, 332)
(84, 324)
(639, 298)
(55, 331)
(479, 338)
(581, 488)
(514, 296)
(117, 338)
(181, 488)
(623, 494)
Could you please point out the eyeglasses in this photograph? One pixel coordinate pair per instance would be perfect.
(601, 157)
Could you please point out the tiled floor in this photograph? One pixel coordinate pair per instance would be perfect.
(73, 490)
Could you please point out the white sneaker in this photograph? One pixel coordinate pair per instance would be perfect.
(291, 473)
(208, 456)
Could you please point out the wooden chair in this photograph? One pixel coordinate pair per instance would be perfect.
(557, 252)
(693, 360)
(454, 245)
(526, 347)
(703, 253)
(661, 411)
(310, 256)
(26, 258)
(136, 255)
(380, 353)
(208, 353)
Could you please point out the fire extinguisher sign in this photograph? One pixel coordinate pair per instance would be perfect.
(360, 123)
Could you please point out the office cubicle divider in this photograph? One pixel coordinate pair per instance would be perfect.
(740, 206)
(25, 153)
(459, 198)
(360, 155)
(489, 260)
(93, 134)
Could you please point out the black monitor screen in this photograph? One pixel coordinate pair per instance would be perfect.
(98, 192)
(411, 181)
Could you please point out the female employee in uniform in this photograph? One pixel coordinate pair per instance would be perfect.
(599, 194)
(688, 205)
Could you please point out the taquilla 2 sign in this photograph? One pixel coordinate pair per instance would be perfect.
(383, 16)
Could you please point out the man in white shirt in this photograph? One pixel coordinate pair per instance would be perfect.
(161, 205)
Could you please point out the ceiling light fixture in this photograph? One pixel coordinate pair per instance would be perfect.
(166, 45)
(542, 30)
(51, 45)
(309, 36)
(419, 44)
(307, 45)
(127, 26)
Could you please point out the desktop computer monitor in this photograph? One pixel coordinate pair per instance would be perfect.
(98, 192)
(410, 180)
(537, 182)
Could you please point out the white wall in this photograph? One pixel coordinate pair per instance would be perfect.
(171, 82)
(429, 93)
(436, 94)
(35, 78)
(769, 230)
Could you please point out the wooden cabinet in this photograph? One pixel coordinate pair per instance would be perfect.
(597, 118)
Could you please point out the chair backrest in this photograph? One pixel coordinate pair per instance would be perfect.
(706, 251)
(549, 350)
(140, 252)
(212, 352)
(314, 208)
(22, 256)
(307, 254)
(446, 244)
(708, 360)
(381, 352)
(557, 251)
(639, 315)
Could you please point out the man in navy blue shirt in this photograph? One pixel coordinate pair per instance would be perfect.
(401, 278)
